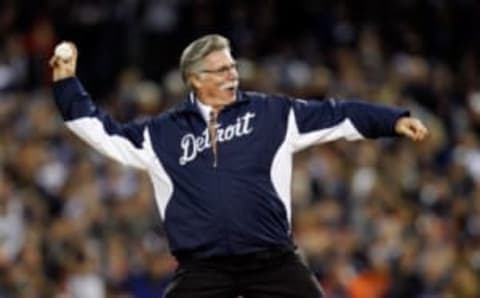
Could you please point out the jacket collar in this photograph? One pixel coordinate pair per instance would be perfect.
(189, 103)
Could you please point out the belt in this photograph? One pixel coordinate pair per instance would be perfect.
(262, 255)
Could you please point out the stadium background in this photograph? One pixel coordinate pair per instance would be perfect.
(388, 218)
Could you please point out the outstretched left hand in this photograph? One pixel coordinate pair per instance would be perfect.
(412, 128)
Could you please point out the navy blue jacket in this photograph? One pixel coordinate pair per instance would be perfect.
(243, 203)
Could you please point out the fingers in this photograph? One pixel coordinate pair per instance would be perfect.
(57, 61)
(64, 67)
(52, 62)
(415, 130)
(421, 131)
(412, 128)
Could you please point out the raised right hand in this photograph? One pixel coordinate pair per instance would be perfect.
(63, 69)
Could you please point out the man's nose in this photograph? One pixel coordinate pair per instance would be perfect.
(232, 73)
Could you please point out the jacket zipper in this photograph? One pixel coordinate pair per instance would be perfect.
(212, 130)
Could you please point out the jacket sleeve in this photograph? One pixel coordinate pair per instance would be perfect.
(314, 122)
(128, 143)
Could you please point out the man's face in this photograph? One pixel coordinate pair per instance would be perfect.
(216, 82)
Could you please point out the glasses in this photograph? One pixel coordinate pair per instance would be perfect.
(221, 70)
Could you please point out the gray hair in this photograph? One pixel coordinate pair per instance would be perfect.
(198, 49)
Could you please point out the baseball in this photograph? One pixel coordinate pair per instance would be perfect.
(64, 51)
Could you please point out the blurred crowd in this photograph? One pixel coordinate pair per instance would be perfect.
(384, 218)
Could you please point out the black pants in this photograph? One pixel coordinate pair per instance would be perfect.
(262, 275)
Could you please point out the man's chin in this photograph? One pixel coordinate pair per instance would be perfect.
(230, 96)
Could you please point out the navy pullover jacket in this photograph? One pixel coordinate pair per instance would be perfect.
(243, 203)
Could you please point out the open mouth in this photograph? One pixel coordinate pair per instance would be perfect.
(231, 86)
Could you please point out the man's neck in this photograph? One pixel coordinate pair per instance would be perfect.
(216, 105)
(206, 109)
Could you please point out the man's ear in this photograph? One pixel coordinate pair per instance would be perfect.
(195, 81)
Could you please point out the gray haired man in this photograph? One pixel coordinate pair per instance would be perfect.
(221, 165)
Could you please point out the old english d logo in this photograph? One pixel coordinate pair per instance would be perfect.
(191, 145)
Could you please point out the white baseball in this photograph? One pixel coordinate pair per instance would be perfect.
(64, 51)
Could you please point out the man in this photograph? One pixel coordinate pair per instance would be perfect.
(221, 165)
